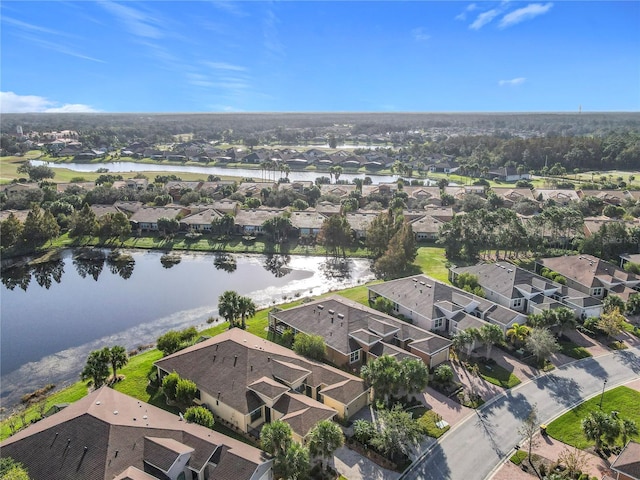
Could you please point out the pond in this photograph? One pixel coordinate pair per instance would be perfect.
(55, 313)
(256, 174)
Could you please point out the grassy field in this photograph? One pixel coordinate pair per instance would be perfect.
(432, 262)
(498, 375)
(573, 350)
(567, 428)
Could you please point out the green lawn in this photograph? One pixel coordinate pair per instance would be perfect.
(498, 375)
(427, 422)
(567, 428)
(432, 262)
(573, 350)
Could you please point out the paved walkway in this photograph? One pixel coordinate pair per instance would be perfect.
(480, 442)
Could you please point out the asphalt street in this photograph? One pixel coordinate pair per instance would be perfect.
(478, 444)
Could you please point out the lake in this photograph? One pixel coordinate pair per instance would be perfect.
(256, 174)
(54, 314)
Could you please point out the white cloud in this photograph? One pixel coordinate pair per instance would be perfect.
(484, 18)
(11, 102)
(141, 24)
(420, 35)
(470, 8)
(31, 27)
(225, 66)
(525, 13)
(513, 82)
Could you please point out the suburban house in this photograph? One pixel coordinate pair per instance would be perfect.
(109, 435)
(146, 218)
(200, 221)
(508, 174)
(428, 195)
(627, 257)
(608, 197)
(519, 289)
(307, 223)
(247, 381)
(560, 197)
(592, 275)
(426, 228)
(435, 306)
(249, 222)
(360, 221)
(627, 465)
(339, 191)
(14, 188)
(511, 196)
(354, 333)
(446, 166)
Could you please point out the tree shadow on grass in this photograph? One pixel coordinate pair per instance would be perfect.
(566, 390)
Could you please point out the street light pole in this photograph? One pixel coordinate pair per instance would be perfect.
(602, 394)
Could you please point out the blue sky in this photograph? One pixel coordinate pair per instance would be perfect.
(258, 56)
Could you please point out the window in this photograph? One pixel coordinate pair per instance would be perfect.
(354, 356)
(256, 414)
(517, 303)
(597, 291)
(396, 307)
(438, 323)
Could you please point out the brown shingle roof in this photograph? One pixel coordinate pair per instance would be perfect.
(628, 462)
(112, 426)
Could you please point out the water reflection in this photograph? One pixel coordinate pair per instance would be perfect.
(225, 261)
(89, 263)
(18, 276)
(277, 265)
(121, 264)
(337, 268)
(47, 272)
(168, 260)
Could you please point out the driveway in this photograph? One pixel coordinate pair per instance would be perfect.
(474, 448)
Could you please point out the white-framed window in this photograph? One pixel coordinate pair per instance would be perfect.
(396, 307)
(597, 291)
(517, 303)
(256, 414)
(354, 356)
(438, 323)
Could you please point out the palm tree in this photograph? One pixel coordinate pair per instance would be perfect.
(465, 339)
(628, 429)
(490, 335)
(228, 306)
(383, 375)
(246, 308)
(275, 439)
(118, 358)
(295, 464)
(565, 318)
(595, 425)
(97, 367)
(415, 375)
(517, 333)
(324, 439)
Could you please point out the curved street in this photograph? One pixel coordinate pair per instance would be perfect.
(476, 446)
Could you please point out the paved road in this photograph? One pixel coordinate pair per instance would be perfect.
(476, 446)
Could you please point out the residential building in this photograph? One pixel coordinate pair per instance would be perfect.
(146, 218)
(249, 221)
(627, 465)
(354, 333)
(511, 196)
(426, 228)
(561, 196)
(435, 306)
(592, 275)
(247, 381)
(108, 435)
(524, 291)
(508, 174)
(308, 222)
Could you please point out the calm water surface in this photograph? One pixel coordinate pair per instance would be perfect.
(256, 174)
(53, 315)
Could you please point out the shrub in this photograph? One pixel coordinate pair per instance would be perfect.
(169, 383)
(199, 415)
(443, 373)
